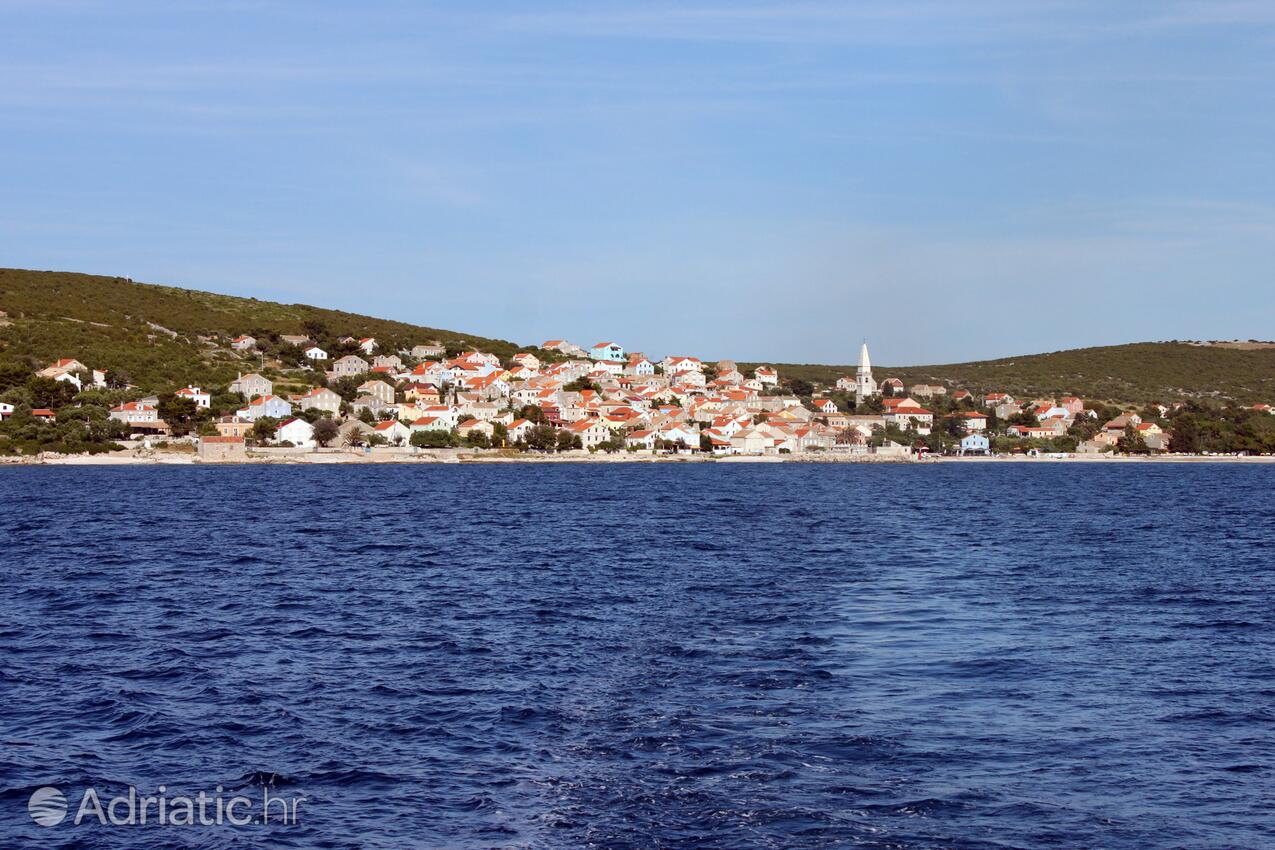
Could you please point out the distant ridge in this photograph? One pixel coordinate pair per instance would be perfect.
(1137, 372)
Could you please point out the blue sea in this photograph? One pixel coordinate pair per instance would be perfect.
(642, 656)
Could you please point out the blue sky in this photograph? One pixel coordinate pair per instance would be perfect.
(953, 180)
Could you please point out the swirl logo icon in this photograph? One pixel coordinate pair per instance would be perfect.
(47, 806)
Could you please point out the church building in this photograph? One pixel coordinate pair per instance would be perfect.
(865, 386)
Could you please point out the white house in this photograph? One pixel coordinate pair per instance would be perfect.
(640, 367)
(448, 416)
(296, 431)
(195, 394)
(316, 353)
(917, 418)
(681, 433)
(6, 410)
(368, 344)
(428, 423)
(767, 376)
(681, 365)
(641, 439)
(133, 411)
(69, 378)
(394, 432)
(518, 429)
(243, 343)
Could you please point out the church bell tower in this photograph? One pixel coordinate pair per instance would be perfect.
(864, 385)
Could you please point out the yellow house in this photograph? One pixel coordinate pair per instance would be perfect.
(420, 392)
(410, 412)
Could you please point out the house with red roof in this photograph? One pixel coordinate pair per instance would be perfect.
(195, 394)
(393, 432)
(296, 431)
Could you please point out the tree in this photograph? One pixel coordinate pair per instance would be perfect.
(477, 439)
(433, 439)
(705, 442)
(612, 444)
(325, 431)
(46, 392)
(1083, 428)
(542, 438)
(13, 375)
(1025, 418)
(263, 429)
(870, 405)
(1131, 442)
(798, 386)
(180, 413)
(347, 387)
(566, 440)
(532, 413)
(315, 329)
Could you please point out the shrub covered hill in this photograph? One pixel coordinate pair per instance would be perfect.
(1137, 373)
(162, 338)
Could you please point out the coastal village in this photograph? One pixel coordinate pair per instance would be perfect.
(563, 398)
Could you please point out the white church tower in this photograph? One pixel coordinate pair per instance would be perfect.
(864, 386)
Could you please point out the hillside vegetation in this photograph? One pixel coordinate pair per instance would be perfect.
(163, 337)
(1140, 372)
(160, 336)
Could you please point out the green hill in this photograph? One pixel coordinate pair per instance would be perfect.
(163, 337)
(1139, 372)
